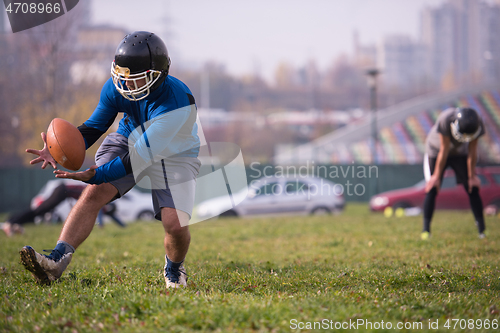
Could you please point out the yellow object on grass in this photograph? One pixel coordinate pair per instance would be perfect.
(388, 212)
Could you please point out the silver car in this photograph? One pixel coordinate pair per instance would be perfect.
(279, 195)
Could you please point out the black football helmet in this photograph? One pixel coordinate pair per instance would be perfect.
(466, 126)
(141, 55)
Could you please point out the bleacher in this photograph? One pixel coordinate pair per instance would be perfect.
(401, 138)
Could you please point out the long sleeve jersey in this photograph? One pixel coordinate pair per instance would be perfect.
(160, 126)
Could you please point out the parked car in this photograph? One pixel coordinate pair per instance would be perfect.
(451, 195)
(278, 195)
(134, 205)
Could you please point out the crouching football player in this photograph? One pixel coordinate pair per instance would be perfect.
(452, 142)
(157, 137)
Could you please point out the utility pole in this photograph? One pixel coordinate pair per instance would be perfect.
(372, 84)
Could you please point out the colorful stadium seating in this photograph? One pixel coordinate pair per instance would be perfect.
(404, 142)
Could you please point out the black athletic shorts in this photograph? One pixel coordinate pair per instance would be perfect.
(172, 181)
(457, 163)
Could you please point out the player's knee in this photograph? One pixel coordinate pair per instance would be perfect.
(432, 193)
(173, 227)
(97, 195)
(174, 221)
(474, 192)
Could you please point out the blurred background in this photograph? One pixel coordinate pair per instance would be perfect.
(333, 82)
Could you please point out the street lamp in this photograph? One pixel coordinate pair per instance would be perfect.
(372, 84)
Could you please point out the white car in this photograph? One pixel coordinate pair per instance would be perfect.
(134, 205)
(278, 195)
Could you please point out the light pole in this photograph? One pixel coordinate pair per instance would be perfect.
(372, 84)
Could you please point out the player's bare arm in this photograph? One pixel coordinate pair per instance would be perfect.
(43, 155)
(444, 149)
(474, 180)
(79, 175)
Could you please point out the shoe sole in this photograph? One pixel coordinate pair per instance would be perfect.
(28, 259)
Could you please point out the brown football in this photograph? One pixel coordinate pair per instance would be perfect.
(66, 144)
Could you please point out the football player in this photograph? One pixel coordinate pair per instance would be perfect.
(452, 142)
(157, 137)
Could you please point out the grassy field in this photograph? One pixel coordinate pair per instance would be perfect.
(359, 271)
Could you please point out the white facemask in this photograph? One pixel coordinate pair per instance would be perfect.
(463, 137)
(121, 75)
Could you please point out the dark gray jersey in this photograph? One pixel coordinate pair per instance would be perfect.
(442, 126)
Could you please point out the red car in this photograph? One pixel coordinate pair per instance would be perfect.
(451, 195)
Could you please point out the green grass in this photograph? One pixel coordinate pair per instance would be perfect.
(259, 274)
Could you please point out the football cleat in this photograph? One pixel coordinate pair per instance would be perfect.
(45, 269)
(482, 235)
(425, 235)
(175, 278)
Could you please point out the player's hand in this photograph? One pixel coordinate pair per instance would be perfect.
(79, 175)
(435, 181)
(474, 181)
(43, 155)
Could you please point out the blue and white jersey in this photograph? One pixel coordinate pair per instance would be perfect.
(162, 124)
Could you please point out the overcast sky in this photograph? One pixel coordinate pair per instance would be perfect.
(255, 36)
